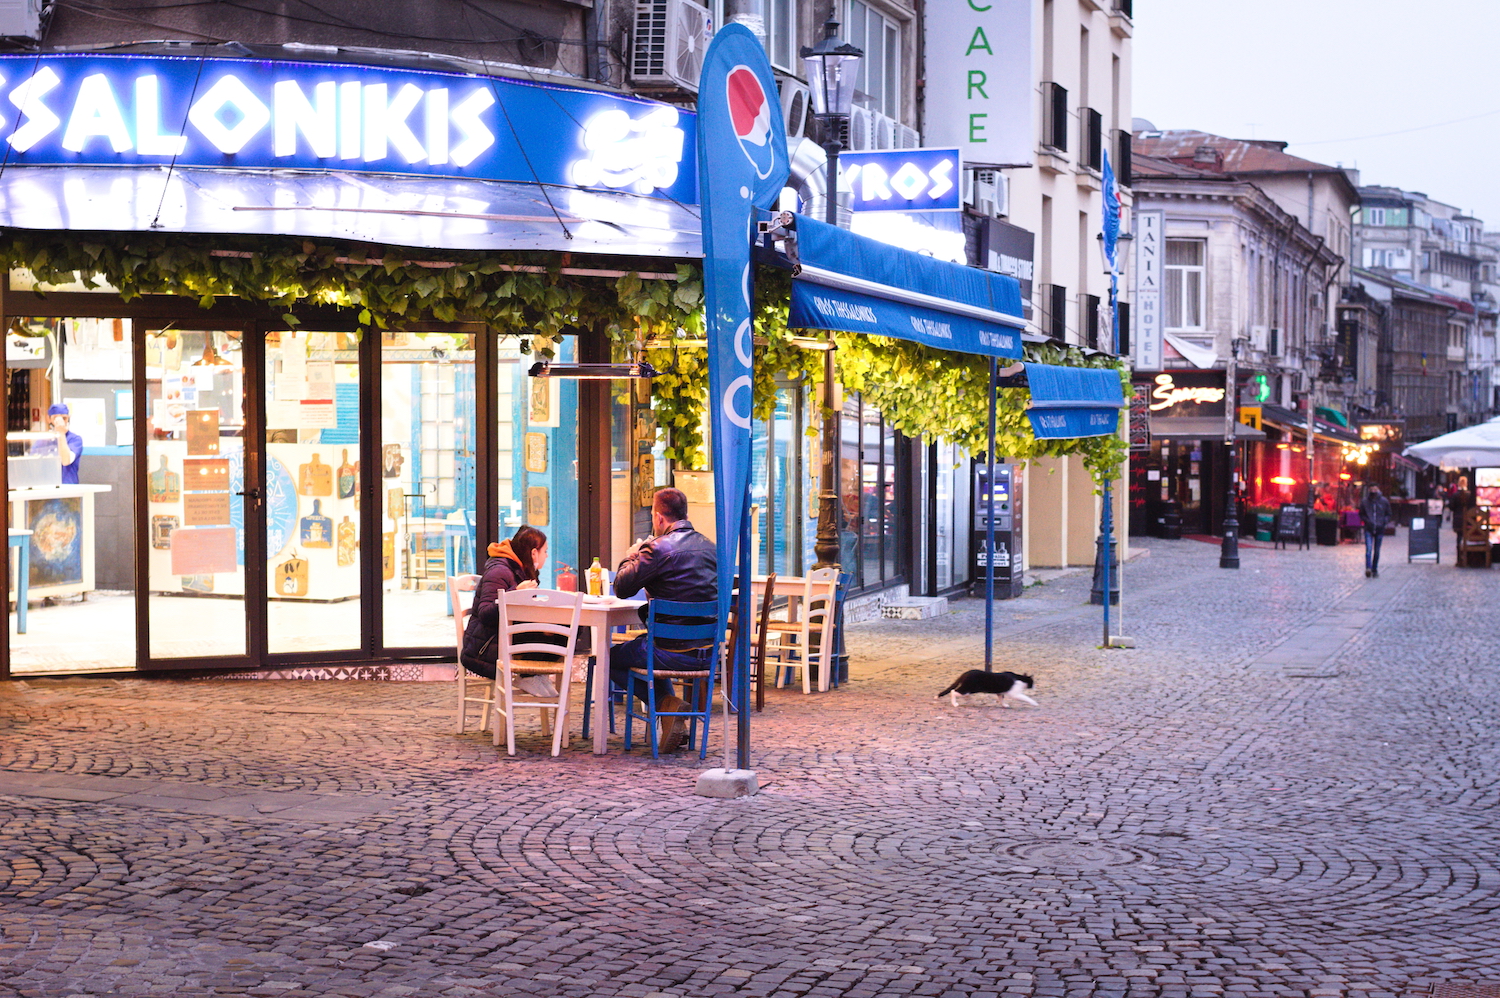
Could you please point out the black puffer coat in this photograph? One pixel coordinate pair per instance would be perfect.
(481, 641)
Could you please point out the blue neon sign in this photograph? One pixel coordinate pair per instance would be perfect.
(903, 179)
(129, 110)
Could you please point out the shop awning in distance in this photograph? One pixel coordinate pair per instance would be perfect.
(855, 284)
(1295, 424)
(1199, 428)
(1071, 402)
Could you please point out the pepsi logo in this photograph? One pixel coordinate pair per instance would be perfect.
(750, 114)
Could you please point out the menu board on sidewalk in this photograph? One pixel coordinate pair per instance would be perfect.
(1424, 538)
(1291, 524)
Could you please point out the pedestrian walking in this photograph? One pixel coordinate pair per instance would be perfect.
(1375, 513)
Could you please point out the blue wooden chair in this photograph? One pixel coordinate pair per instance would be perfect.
(699, 682)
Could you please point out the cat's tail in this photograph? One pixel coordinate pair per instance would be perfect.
(950, 689)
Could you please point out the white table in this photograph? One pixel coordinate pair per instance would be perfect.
(601, 618)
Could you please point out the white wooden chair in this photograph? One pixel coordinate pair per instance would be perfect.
(808, 640)
(483, 692)
(526, 617)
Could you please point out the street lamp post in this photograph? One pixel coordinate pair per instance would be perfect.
(832, 68)
(1229, 550)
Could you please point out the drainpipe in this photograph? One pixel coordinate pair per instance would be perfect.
(593, 46)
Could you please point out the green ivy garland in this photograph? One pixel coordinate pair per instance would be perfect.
(920, 390)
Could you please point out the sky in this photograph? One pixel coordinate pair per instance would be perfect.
(1335, 79)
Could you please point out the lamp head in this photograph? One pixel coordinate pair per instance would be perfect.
(832, 69)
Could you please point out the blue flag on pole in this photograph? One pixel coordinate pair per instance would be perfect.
(742, 167)
(1111, 214)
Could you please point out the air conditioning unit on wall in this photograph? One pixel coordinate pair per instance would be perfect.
(861, 129)
(796, 107)
(20, 18)
(990, 193)
(883, 131)
(908, 137)
(670, 39)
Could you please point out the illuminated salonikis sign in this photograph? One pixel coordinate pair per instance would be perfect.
(125, 110)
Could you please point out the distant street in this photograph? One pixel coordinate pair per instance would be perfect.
(1290, 787)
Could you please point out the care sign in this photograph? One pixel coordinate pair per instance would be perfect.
(127, 110)
(903, 179)
(980, 95)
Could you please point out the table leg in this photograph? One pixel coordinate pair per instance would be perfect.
(602, 705)
(23, 584)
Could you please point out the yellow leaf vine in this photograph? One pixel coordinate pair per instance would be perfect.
(921, 391)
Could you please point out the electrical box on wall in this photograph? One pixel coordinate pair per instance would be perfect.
(1005, 560)
(20, 18)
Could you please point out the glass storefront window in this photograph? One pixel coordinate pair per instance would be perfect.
(778, 459)
(194, 472)
(538, 466)
(427, 494)
(312, 498)
(79, 540)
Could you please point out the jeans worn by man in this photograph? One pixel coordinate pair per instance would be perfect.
(677, 564)
(1375, 512)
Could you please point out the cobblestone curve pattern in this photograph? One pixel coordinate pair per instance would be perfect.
(1172, 821)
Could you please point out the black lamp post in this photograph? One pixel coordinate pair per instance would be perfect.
(832, 68)
(1229, 550)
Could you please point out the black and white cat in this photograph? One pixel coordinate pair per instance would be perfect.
(1005, 685)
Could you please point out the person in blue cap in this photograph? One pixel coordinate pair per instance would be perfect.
(69, 444)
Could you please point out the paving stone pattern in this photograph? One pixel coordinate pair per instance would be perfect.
(1288, 788)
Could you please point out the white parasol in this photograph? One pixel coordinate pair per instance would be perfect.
(1471, 447)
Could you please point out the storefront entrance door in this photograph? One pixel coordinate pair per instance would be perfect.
(208, 498)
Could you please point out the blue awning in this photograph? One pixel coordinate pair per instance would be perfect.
(852, 283)
(817, 306)
(1074, 401)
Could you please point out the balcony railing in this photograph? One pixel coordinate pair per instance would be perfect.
(1055, 116)
(1090, 138)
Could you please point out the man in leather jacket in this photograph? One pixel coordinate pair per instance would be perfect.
(676, 563)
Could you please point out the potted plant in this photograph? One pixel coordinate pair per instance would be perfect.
(1261, 521)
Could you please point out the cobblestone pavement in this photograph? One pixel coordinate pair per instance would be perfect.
(1288, 788)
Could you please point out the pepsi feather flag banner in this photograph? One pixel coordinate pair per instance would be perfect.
(742, 167)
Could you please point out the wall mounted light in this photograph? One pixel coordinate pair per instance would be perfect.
(592, 372)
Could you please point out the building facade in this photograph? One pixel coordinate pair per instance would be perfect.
(1436, 252)
(1291, 333)
(436, 431)
(1232, 286)
(1080, 55)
